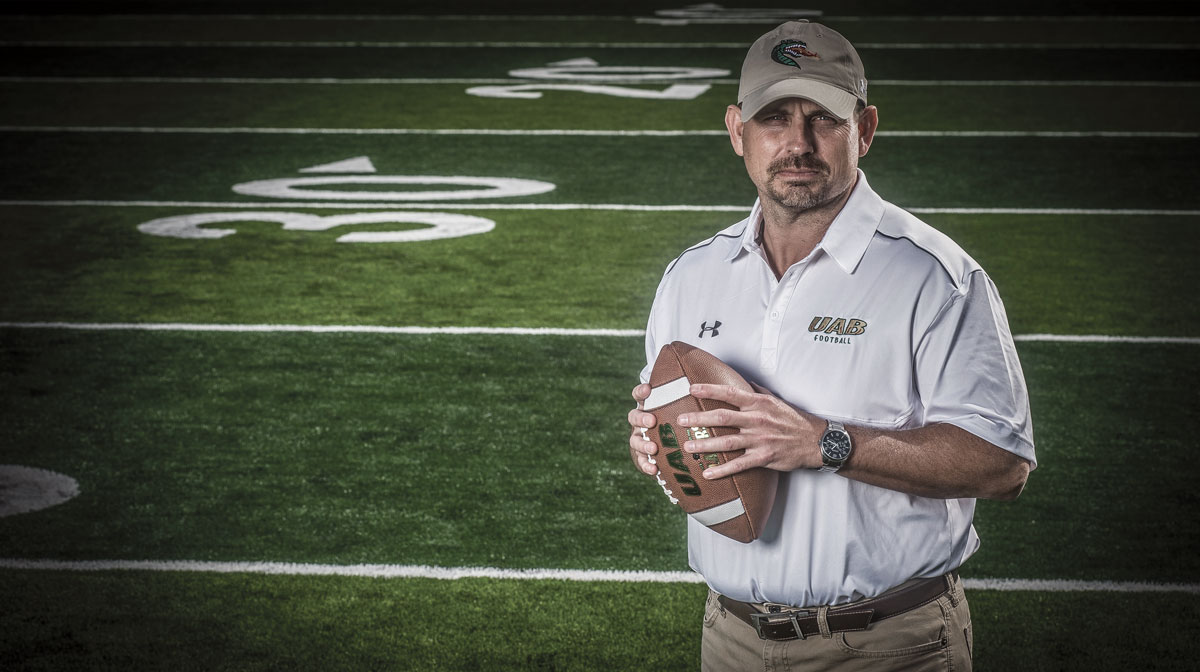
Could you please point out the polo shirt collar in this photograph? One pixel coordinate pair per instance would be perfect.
(852, 230)
(749, 239)
(848, 236)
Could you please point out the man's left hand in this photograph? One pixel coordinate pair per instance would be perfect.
(773, 433)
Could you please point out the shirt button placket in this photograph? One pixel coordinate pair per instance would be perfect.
(773, 320)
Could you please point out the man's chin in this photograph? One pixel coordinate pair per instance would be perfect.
(798, 198)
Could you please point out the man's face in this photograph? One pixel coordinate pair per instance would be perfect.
(799, 155)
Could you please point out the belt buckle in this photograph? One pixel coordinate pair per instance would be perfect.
(774, 618)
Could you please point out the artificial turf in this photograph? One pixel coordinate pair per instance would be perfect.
(509, 451)
(181, 621)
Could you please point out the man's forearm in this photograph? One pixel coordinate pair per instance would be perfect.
(941, 461)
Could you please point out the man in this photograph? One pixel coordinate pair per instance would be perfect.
(889, 394)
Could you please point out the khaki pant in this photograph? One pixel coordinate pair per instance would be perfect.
(936, 636)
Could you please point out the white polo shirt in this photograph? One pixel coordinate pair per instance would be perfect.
(887, 324)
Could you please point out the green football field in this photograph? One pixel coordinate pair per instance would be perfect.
(331, 313)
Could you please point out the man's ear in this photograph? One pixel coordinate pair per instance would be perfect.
(733, 122)
(868, 122)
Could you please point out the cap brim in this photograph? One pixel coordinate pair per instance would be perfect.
(840, 103)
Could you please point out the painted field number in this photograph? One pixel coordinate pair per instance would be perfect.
(436, 225)
(440, 225)
(588, 76)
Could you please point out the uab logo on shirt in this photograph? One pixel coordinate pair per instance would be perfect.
(828, 329)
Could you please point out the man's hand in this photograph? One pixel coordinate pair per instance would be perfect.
(774, 434)
(641, 450)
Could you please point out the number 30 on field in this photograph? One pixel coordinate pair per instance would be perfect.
(437, 224)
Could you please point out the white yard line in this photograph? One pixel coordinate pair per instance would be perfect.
(294, 80)
(585, 575)
(395, 205)
(1030, 82)
(1083, 338)
(1017, 19)
(1037, 134)
(236, 130)
(392, 81)
(523, 18)
(321, 329)
(618, 207)
(1127, 212)
(1062, 585)
(357, 44)
(515, 331)
(488, 18)
(1098, 339)
(565, 132)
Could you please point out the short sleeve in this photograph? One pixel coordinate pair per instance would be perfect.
(645, 374)
(652, 330)
(968, 373)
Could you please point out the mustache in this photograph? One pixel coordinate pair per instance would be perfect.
(797, 163)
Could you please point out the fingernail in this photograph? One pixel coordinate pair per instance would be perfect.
(683, 419)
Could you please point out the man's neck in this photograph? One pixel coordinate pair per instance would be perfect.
(791, 235)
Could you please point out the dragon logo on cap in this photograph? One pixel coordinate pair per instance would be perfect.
(788, 52)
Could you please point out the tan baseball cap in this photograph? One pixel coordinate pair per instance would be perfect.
(803, 60)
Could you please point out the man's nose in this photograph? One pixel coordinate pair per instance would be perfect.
(799, 137)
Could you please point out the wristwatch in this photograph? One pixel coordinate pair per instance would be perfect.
(835, 447)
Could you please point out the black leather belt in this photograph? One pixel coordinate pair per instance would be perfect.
(800, 623)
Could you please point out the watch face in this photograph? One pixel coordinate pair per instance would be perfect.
(836, 445)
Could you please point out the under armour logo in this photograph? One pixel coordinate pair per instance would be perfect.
(704, 327)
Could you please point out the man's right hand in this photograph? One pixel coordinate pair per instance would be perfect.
(640, 448)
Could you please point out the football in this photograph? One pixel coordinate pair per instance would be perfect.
(736, 506)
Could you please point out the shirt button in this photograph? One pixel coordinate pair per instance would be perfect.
(775, 315)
